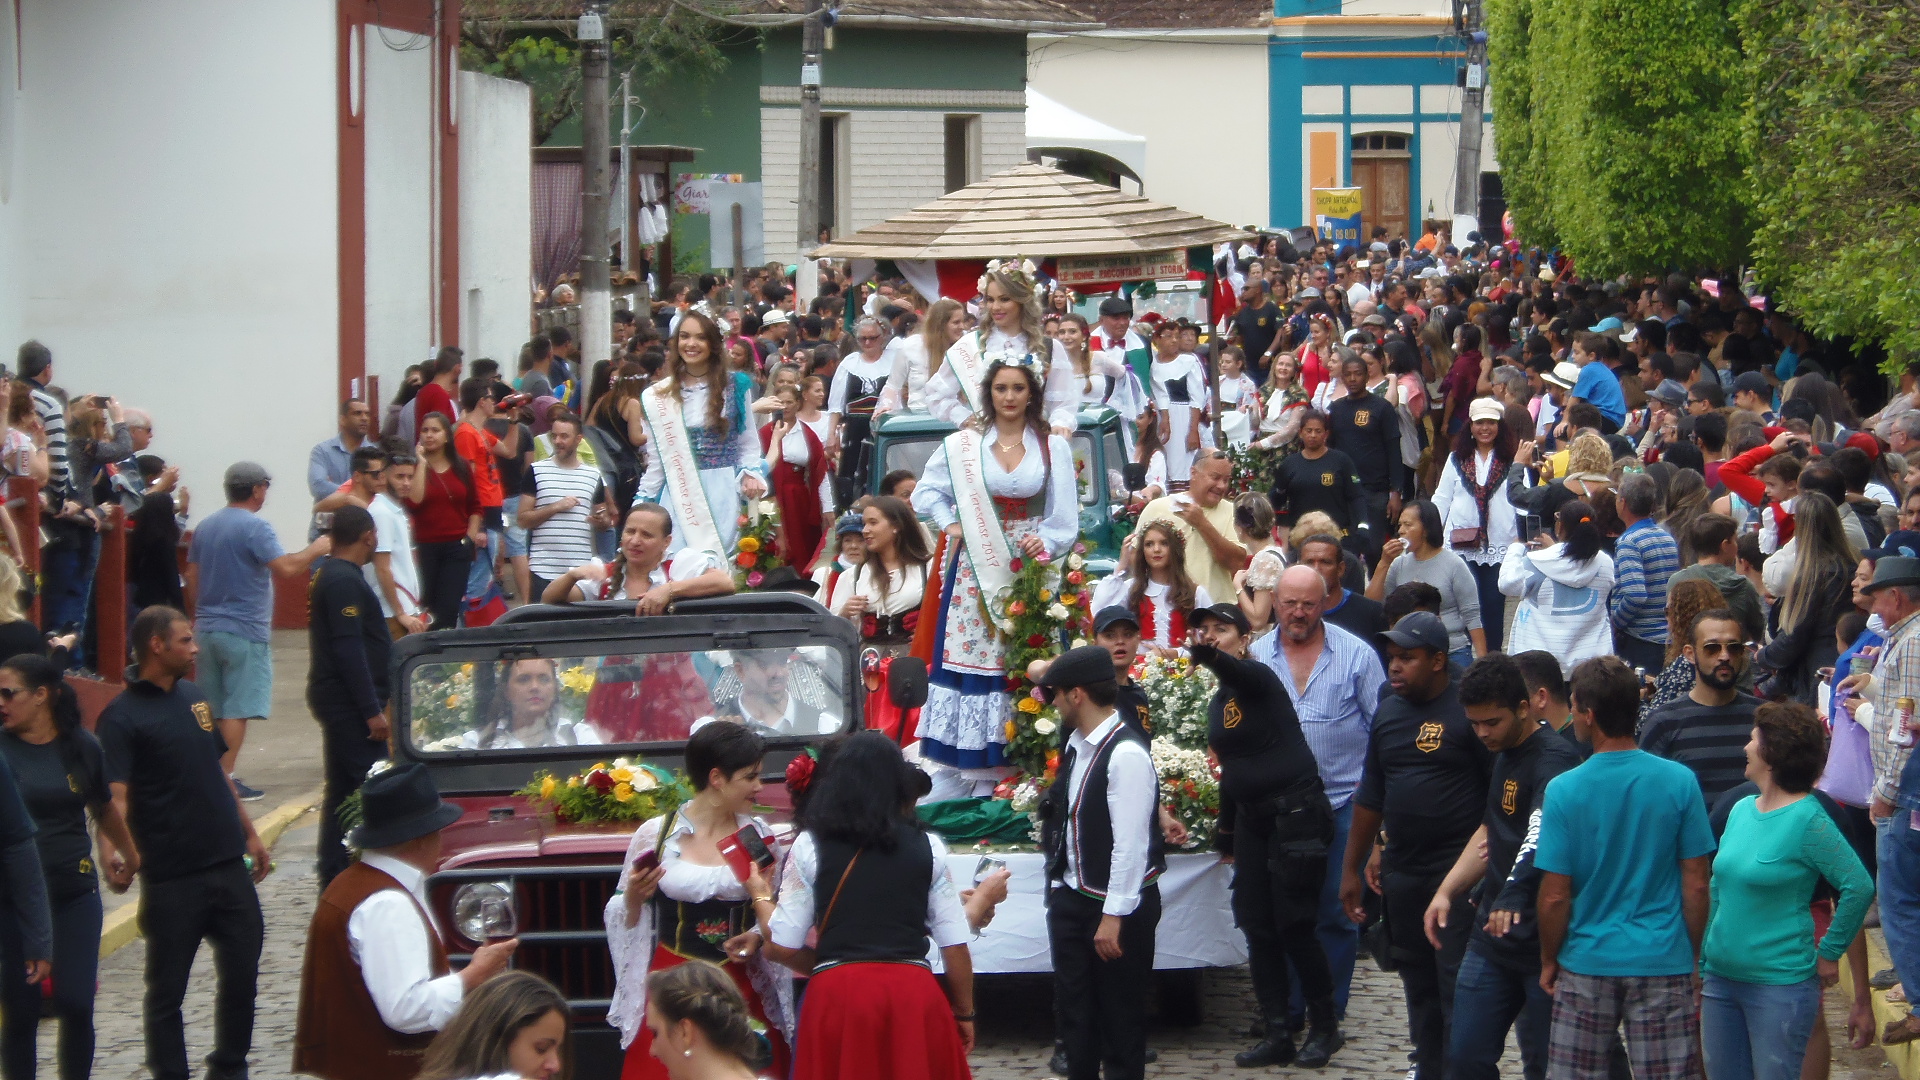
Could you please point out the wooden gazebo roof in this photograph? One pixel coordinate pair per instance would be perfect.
(1032, 211)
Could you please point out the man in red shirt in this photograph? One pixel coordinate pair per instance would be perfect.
(437, 395)
(480, 448)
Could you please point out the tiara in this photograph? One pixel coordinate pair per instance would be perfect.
(1018, 270)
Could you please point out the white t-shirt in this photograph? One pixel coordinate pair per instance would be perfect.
(394, 538)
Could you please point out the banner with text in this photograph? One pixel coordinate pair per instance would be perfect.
(1141, 266)
(1336, 217)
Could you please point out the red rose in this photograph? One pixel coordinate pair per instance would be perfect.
(799, 773)
(599, 780)
(1075, 577)
(1034, 641)
(1016, 566)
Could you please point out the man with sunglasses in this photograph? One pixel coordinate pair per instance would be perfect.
(1707, 731)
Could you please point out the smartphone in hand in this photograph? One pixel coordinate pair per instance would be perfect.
(743, 850)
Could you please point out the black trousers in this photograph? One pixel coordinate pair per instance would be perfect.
(347, 754)
(217, 905)
(1279, 867)
(1102, 1003)
(75, 900)
(856, 450)
(443, 579)
(1426, 974)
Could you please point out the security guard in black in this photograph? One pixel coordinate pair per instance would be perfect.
(349, 641)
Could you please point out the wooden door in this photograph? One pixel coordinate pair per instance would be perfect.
(1383, 181)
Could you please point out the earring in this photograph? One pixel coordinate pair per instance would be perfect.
(688, 1052)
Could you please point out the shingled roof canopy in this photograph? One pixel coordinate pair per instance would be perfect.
(1013, 15)
(1030, 210)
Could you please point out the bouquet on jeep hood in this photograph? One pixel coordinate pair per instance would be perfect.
(622, 790)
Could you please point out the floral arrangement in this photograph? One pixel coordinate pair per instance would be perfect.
(444, 708)
(757, 554)
(622, 790)
(1252, 469)
(1047, 606)
(1189, 789)
(1178, 693)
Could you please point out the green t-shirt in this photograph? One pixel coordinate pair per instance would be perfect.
(1761, 930)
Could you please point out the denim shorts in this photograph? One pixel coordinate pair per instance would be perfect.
(236, 674)
(516, 537)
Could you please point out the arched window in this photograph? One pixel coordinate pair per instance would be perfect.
(1380, 141)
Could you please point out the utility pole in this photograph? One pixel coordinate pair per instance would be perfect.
(812, 43)
(1466, 186)
(596, 302)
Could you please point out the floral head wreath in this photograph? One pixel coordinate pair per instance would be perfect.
(1020, 271)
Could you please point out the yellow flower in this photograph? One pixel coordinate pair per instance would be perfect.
(749, 544)
(1012, 731)
(453, 701)
(1029, 705)
(623, 793)
(624, 776)
(600, 765)
(466, 669)
(547, 784)
(1045, 595)
(573, 781)
(577, 679)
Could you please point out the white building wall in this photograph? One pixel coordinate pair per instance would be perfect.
(496, 230)
(898, 162)
(1202, 105)
(170, 228)
(400, 204)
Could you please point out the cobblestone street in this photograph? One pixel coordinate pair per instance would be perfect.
(1015, 1029)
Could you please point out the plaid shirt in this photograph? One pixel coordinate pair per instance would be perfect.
(1896, 675)
(1644, 558)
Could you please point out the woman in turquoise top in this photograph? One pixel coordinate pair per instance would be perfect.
(1763, 969)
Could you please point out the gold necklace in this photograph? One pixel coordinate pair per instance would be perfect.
(1009, 446)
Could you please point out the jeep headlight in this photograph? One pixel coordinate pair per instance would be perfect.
(483, 911)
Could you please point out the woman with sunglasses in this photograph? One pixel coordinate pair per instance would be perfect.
(62, 777)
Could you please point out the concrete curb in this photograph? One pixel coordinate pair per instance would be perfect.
(122, 926)
(1905, 1057)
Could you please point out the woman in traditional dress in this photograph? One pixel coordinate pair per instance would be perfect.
(796, 451)
(1286, 407)
(1180, 395)
(882, 595)
(705, 451)
(680, 901)
(1011, 334)
(1100, 378)
(646, 698)
(945, 323)
(1003, 489)
(1313, 361)
(1153, 584)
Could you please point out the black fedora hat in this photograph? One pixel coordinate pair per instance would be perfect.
(787, 579)
(399, 805)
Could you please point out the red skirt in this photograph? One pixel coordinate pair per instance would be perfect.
(642, 1065)
(866, 1021)
(802, 522)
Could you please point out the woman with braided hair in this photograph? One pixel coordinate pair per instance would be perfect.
(700, 1024)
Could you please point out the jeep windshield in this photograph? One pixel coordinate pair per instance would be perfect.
(565, 683)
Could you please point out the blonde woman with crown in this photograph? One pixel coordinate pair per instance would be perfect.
(1011, 332)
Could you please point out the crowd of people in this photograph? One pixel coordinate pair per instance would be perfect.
(1563, 629)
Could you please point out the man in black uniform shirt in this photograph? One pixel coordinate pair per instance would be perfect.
(1116, 630)
(1425, 780)
(193, 836)
(1367, 430)
(1257, 326)
(1499, 979)
(347, 674)
(1104, 860)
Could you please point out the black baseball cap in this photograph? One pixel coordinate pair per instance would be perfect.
(1114, 613)
(1083, 666)
(1227, 613)
(1418, 630)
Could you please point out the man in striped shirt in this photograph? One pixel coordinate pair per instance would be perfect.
(1644, 558)
(1334, 680)
(562, 500)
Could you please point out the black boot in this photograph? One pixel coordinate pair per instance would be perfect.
(1058, 1065)
(1323, 1035)
(1275, 1049)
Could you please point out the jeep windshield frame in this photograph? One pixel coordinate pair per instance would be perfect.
(606, 628)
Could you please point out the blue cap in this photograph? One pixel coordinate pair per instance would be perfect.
(1606, 324)
(848, 523)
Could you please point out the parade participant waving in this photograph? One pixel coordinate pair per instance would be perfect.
(1153, 584)
(957, 392)
(705, 451)
(1003, 489)
(677, 892)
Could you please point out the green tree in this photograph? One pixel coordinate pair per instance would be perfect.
(1834, 119)
(1631, 142)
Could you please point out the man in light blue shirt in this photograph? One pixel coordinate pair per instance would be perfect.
(230, 570)
(1598, 385)
(1334, 680)
(330, 462)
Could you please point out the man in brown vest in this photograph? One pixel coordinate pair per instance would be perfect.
(376, 986)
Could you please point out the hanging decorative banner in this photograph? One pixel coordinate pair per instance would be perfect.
(1336, 217)
(691, 191)
(1141, 266)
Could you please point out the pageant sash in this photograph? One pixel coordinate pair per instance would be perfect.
(684, 495)
(987, 549)
(969, 364)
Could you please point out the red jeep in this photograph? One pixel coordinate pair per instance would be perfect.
(560, 689)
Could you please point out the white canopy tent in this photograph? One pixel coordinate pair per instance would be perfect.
(1053, 128)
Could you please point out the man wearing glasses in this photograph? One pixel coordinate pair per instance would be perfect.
(1707, 731)
(856, 388)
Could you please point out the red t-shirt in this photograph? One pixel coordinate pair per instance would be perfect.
(433, 398)
(476, 446)
(442, 513)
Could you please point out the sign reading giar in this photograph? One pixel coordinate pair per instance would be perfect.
(1142, 266)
